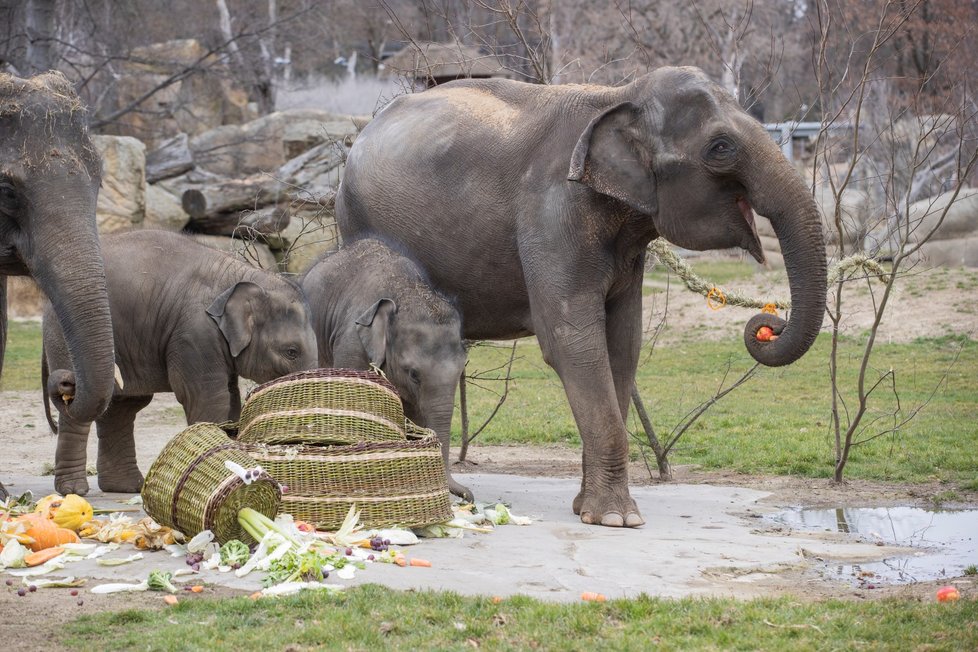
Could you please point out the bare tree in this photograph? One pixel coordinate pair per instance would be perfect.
(900, 150)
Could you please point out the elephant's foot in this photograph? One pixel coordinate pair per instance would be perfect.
(71, 483)
(460, 490)
(128, 482)
(607, 508)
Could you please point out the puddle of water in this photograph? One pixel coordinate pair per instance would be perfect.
(946, 541)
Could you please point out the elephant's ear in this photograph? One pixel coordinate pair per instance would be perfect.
(373, 327)
(235, 310)
(612, 157)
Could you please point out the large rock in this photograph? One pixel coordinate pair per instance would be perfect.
(163, 210)
(202, 100)
(265, 144)
(961, 219)
(951, 253)
(122, 197)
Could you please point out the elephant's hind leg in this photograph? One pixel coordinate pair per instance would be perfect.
(117, 468)
(71, 455)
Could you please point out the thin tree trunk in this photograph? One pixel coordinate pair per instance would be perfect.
(661, 454)
(463, 407)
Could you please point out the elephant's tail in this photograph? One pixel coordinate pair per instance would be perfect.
(44, 391)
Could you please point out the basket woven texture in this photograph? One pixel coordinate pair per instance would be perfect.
(391, 483)
(323, 407)
(190, 489)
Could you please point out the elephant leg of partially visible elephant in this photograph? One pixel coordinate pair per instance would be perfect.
(70, 474)
(234, 393)
(117, 467)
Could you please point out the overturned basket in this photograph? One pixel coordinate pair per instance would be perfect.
(400, 483)
(323, 407)
(190, 488)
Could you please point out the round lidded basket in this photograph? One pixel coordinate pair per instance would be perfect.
(190, 488)
(323, 407)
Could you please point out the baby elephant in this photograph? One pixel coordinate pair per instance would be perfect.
(373, 306)
(188, 319)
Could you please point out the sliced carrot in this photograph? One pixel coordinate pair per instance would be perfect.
(593, 597)
(400, 561)
(41, 556)
(421, 562)
(197, 588)
(255, 595)
(496, 599)
(170, 599)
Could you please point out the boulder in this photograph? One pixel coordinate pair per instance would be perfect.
(199, 101)
(122, 197)
(951, 253)
(171, 158)
(163, 210)
(960, 221)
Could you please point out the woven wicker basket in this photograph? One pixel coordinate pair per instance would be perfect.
(323, 407)
(190, 489)
(391, 483)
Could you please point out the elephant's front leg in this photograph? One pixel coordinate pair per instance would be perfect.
(117, 467)
(71, 456)
(574, 343)
(205, 396)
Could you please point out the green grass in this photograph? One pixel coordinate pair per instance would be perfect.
(779, 422)
(720, 272)
(375, 618)
(22, 360)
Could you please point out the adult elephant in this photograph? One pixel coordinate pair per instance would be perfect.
(535, 204)
(49, 180)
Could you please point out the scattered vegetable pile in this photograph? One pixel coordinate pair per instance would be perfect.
(39, 538)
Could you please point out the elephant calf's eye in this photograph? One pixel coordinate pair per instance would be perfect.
(292, 353)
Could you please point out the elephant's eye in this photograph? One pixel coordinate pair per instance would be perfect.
(721, 149)
(292, 353)
(414, 376)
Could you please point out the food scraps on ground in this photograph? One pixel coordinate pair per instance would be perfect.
(590, 596)
(71, 511)
(948, 594)
(170, 600)
(41, 556)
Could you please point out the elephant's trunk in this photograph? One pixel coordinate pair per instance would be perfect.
(65, 260)
(784, 199)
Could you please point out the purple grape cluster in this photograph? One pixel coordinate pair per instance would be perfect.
(194, 560)
(379, 545)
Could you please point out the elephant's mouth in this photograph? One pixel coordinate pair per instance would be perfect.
(753, 245)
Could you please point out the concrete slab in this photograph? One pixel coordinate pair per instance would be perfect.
(698, 540)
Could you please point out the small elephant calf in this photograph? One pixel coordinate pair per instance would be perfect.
(188, 319)
(373, 306)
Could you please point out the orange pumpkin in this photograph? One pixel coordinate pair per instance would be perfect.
(45, 533)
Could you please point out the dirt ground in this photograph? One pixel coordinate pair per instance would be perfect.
(933, 303)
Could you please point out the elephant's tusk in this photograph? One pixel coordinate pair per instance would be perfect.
(118, 376)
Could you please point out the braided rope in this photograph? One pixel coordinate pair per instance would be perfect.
(660, 249)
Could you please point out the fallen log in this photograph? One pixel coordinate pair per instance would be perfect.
(246, 225)
(229, 196)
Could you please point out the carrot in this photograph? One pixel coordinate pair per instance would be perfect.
(170, 599)
(421, 562)
(41, 556)
(197, 588)
(255, 595)
(593, 597)
(400, 561)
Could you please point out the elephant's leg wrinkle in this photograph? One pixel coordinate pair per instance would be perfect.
(71, 456)
(117, 467)
(623, 333)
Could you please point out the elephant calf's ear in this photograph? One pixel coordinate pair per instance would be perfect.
(234, 312)
(612, 157)
(373, 326)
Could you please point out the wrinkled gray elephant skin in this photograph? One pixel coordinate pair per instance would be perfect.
(534, 205)
(187, 319)
(49, 179)
(373, 306)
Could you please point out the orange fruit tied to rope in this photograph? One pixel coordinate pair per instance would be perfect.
(770, 309)
(715, 298)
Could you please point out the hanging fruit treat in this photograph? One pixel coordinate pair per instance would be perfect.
(765, 334)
